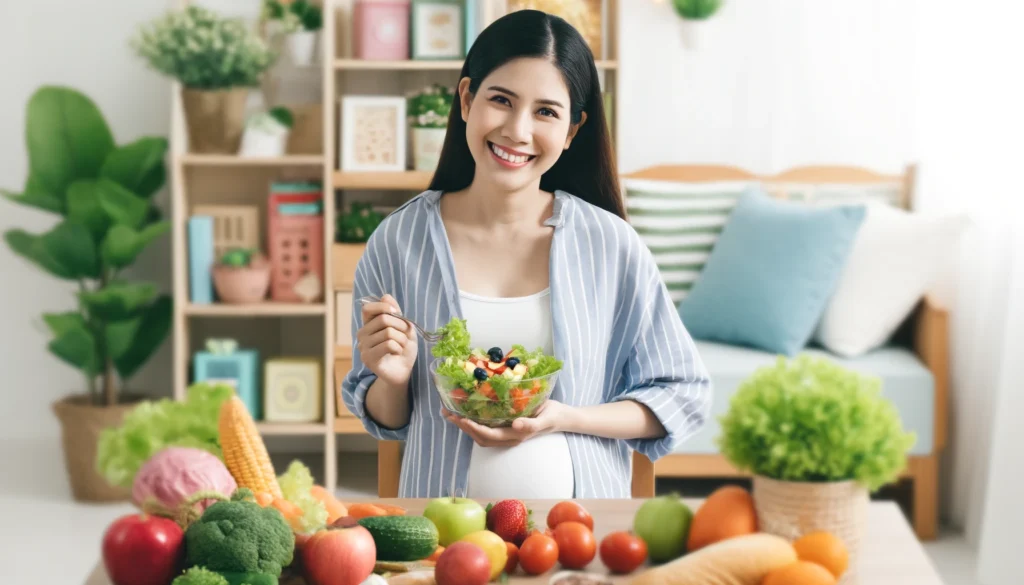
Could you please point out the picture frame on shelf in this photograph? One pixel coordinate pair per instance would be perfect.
(438, 29)
(373, 133)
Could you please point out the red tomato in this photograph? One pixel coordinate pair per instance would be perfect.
(569, 511)
(623, 552)
(576, 544)
(538, 554)
(513, 557)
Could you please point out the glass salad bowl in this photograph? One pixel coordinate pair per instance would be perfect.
(491, 393)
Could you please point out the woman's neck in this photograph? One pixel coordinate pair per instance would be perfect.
(488, 206)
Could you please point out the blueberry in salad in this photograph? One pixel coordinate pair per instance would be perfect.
(492, 384)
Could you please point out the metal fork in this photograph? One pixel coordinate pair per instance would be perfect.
(430, 336)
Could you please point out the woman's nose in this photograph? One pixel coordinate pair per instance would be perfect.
(518, 127)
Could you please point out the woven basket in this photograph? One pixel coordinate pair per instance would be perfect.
(792, 509)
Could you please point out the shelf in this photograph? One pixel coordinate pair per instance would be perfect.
(267, 309)
(413, 65)
(213, 160)
(280, 428)
(396, 180)
(349, 425)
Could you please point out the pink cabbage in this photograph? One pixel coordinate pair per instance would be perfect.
(173, 474)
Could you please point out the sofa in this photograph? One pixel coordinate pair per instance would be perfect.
(912, 361)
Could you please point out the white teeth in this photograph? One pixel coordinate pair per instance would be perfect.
(505, 155)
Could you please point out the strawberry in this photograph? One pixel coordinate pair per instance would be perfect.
(510, 519)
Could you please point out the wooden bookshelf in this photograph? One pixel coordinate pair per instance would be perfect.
(396, 180)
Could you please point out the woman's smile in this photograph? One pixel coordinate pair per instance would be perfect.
(508, 157)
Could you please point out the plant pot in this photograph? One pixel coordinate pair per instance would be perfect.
(302, 47)
(215, 119)
(693, 33)
(241, 285)
(81, 423)
(792, 509)
(264, 141)
(427, 144)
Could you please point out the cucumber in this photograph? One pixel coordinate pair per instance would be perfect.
(402, 538)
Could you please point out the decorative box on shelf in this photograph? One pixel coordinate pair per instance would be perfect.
(380, 30)
(296, 241)
(223, 362)
(293, 390)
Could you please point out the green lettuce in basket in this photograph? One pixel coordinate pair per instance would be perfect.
(810, 419)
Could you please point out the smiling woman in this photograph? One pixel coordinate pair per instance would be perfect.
(522, 235)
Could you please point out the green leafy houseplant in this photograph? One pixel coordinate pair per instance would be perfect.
(356, 225)
(696, 9)
(103, 194)
(429, 107)
(293, 16)
(809, 419)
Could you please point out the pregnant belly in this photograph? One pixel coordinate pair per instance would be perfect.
(539, 468)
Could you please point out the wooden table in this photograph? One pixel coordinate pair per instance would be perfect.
(891, 553)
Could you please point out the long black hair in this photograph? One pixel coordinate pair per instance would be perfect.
(587, 169)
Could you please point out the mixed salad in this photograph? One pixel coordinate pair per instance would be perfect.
(492, 384)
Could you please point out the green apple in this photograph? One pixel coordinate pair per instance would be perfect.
(663, 523)
(455, 517)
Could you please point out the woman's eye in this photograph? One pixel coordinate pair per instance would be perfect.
(548, 112)
(500, 99)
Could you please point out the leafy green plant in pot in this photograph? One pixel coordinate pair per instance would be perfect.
(102, 194)
(695, 14)
(428, 111)
(217, 61)
(242, 276)
(299, 22)
(818, 438)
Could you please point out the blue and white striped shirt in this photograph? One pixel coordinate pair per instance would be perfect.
(615, 329)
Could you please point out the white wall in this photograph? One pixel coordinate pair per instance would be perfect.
(771, 85)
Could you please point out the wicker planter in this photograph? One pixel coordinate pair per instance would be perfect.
(81, 423)
(792, 509)
(215, 119)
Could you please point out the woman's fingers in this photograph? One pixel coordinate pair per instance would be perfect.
(487, 436)
(385, 334)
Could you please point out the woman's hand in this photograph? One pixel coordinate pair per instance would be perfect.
(387, 344)
(551, 417)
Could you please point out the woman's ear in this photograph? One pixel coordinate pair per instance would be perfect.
(574, 129)
(465, 98)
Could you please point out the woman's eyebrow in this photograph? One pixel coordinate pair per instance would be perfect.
(500, 89)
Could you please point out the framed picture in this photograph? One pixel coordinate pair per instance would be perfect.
(373, 133)
(438, 29)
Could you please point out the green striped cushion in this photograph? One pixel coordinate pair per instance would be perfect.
(680, 223)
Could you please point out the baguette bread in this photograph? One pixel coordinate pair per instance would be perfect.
(742, 560)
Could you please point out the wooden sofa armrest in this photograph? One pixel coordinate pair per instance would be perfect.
(931, 344)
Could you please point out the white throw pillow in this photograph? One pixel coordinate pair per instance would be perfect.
(895, 259)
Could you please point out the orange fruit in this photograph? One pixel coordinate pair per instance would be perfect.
(825, 549)
(800, 573)
(728, 512)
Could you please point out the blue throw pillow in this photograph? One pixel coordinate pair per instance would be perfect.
(768, 279)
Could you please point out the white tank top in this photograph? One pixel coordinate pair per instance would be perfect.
(540, 467)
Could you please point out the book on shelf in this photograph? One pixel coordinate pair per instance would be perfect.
(200, 259)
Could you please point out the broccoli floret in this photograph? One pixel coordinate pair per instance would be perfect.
(239, 536)
(199, 576)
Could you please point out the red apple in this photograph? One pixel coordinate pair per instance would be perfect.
(142, 549)
(342, 554)
(463, 563)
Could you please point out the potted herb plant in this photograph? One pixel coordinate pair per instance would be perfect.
(428, 118)
(217, 61)
(299, 23)
(819, 439)
(695, 13)
(242, 276)
(102, 195)
(266, 133)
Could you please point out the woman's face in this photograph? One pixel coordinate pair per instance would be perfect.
(517, 124)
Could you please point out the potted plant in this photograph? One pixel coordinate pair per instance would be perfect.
(266, 133)
(102, 195)
(242, 276)
(819, 439)
(428, 118)
(299, 23)
(695, 13)
(217, 61)
(356, 225)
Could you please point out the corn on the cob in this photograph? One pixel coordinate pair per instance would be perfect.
(245, 455)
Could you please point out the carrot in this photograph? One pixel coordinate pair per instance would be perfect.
(362, 510)
(264, 499)
(391, 509)
(335, 509)
(436, 554)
